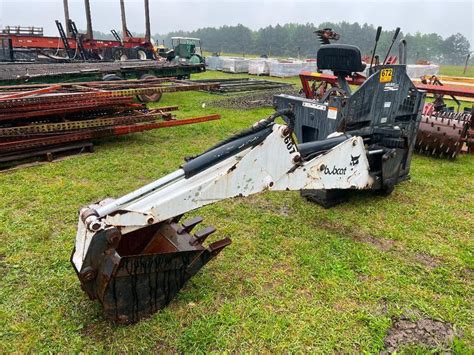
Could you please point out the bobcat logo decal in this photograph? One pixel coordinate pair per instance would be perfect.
(355, 160)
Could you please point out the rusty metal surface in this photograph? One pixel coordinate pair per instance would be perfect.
(326, 35)
(47, 155)
(75, 107)
(444, 134)
(167, 83)
(49, 128)
(357, 79)
(89, 134)
(136, 274)
(441, 133)
(29, 71)
(35, 117)
(63, 93)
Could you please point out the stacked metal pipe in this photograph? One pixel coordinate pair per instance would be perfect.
(41, 120)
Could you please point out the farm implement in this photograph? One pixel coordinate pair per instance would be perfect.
(134, 253)
(43, 120)
(444, 131)
(29, 43)
(39, 73)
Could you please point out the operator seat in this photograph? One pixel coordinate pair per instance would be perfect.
(342, 59)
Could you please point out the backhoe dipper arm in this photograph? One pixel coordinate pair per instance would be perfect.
(262, 158)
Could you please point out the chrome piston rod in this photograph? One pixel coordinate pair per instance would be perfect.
(141, 192)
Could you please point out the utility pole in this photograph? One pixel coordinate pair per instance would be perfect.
(124, 19)
(66, 17)
(467, 62)
(89, 33)
(147, 22)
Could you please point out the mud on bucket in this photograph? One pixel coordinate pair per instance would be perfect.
(139, 273)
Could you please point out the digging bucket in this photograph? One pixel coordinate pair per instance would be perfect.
(136, 274)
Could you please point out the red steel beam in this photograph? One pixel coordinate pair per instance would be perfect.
(34, 143)
(23, 94)
(447, 90)
(121, 130)
(76, 96)
(306, 77)
(79, 107)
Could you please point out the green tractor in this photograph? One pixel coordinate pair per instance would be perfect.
(185, 50)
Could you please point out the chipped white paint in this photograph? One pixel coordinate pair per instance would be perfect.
(268, 166)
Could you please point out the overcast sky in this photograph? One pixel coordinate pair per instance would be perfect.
(442, 16)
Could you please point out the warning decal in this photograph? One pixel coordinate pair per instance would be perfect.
(386, 75)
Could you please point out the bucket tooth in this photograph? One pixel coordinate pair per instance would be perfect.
(202, 235)
(188, 225)
(211, 252)
(216, 247)
(138, 273)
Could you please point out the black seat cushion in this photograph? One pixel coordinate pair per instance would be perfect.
(340, 58)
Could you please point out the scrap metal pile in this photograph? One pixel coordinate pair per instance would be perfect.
(42, 120)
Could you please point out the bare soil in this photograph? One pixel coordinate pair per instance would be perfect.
(425, 332)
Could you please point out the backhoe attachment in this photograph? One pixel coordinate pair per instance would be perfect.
(134, 254)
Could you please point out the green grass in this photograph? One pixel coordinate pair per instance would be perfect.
(296, 278)
(457, 70)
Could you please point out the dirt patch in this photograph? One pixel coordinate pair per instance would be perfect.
(268, 206)
(92, 331)
(381, 308)
(426, 260)
(380, 243)
(467, 274)
(425, 332)
(284, 211)
(3, 265)
(164, 348)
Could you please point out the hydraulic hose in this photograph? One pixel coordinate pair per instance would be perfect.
(259, 126)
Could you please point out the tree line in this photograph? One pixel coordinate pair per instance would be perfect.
(295, 40)
(298, 40)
